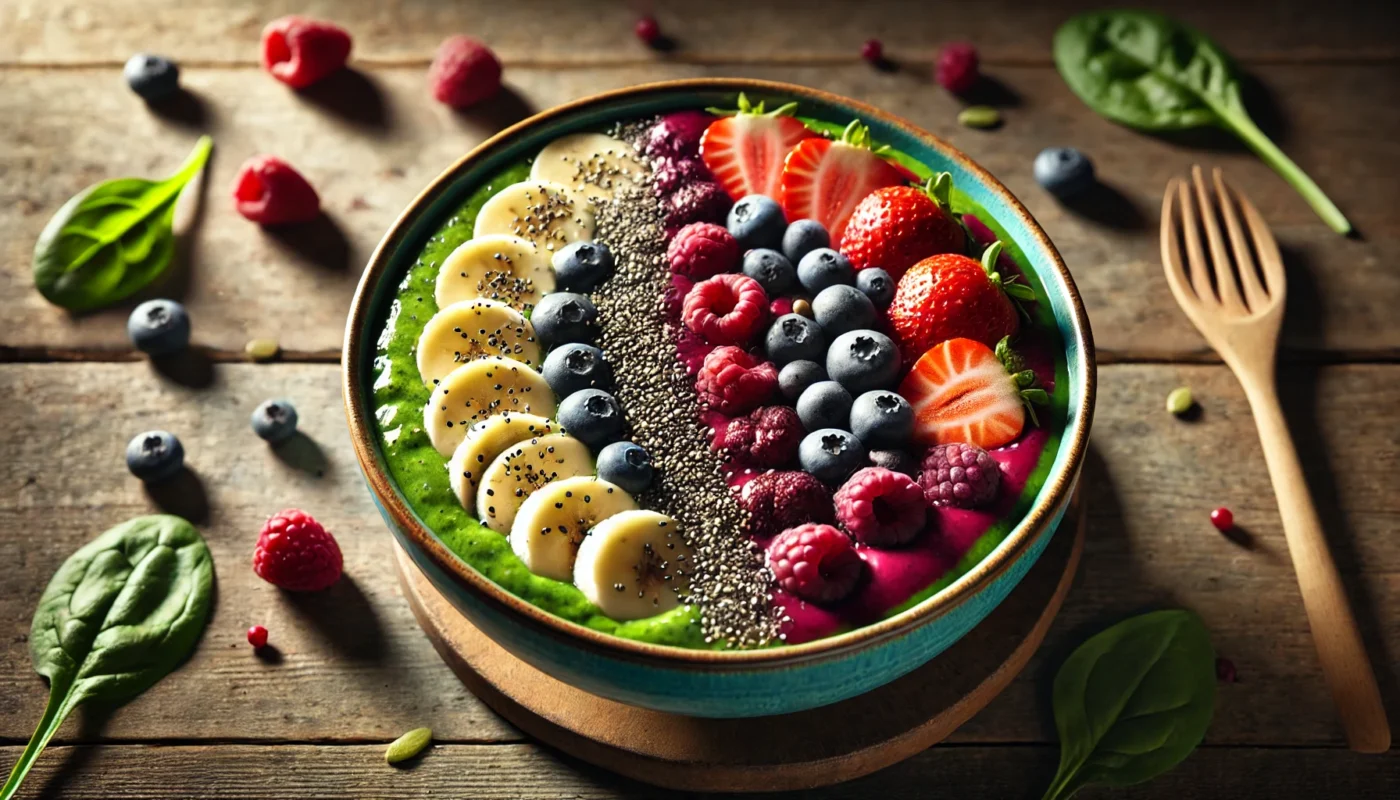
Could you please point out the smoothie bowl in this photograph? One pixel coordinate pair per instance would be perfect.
(721, 397)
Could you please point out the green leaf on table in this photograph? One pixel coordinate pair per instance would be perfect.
(1133, 701)
(120, 614)
(1151, 72)
(113, 239)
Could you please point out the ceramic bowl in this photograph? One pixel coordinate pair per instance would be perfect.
(697, 682)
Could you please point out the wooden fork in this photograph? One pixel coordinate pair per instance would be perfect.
(1235, 298)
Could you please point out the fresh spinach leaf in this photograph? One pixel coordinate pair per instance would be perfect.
(1133, 701)
(1150, 72)
(120, 613)
(112, 239)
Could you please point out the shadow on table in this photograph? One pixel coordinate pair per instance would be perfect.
(182, 495)
(301, 452)
(505, 109)
(1106, 205)
(191, 368)
(320, 242)
(184, 108)
(345, 618)
(353, 96)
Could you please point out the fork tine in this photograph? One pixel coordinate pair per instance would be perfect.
(1171, 246)
(1266, 248)
(1226, 286)
(1256, 297)
(1200, 278)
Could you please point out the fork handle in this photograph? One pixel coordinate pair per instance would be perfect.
(1339, 647)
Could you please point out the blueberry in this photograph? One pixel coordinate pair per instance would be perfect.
(895, 461)
(275, 420)
(863, 360)
(831, 455)
(152, 77)
(1064, 171)
(793, 337)
(877, 285)
(794, 378)
(155, 456)
(581, 266)
(839, 309)
(592, 416)
(882, 419)
(824, 267)
(771, 269)
(824, 404)
(563, 317)
(159, 327)
(572, 367)
(802, 237)
(626, 464)
(757, 221)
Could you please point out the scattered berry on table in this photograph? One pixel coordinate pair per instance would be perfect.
(153, 77)
(771, 269)
(815, 562)
(464, 72)
(802, 237)
(873, 52)
(757, 221)
(299, 51)
(269, 191)
(877, 285)
(824, 404)
(295, 553)
(262, 349)
(803, 306)
(1222, 518)
(676, 136)
(979, 117)
(731, 381)
(959, 474)
(952, 296)
(881, 507)
(796, 376)
(575, 366)
(831, 455)
(863, 360)
(159, 327)
(155, 456)
(777, 501)
(882, 419)
(746, 151)
(648, 30)
(725, 309)
(896, 227)
(963, 391)
(564, 318)
(626, 464)
(700, 201)
(702, 250)
(824, 179)
(896, 460)
(766, 437)
(592, 416)
(1064, 172)
(842, 308)
(275, 420)
(793, 337)
(956, 67)
(257, 636)
(822, 268)
(1179, 401)
(581, 266)
(1225, 671)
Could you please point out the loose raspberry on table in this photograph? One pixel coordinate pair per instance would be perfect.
(956, 68)
(702, 201)
(777, 501)
(269, 191)
(881, 507)
(767, 437)
(299, 51)
(702, 250)
(295, 553)
(464, 72)
(726, 309)
(815, 562)
(959, 474)
(733, 382)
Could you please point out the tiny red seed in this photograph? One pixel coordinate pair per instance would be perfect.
(257, 636)
(1225, 671)
(1222, 519)
(872, 51)
(648, 30)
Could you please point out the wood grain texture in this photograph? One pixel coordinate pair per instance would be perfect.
(371, 140)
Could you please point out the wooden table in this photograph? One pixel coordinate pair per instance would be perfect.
(352, 671)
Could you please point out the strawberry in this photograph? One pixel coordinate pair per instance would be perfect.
(897, 226)
(949, 296)
(745, 149)
(963, 391)
(824, 179)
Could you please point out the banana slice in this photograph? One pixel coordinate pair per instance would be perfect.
(484, 441)
(505, 268)
(634, 564)
(519, 472)
(555, 519)
(592, 164)
(473, 329)
(480, 389)
(547, 214)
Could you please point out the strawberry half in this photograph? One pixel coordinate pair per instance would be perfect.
(963, 391)
(745, 149)
(897, 226)
(951, 296)
(824, 180)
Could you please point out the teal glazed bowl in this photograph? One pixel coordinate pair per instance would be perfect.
(713, 683)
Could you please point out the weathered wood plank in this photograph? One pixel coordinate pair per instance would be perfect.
(81, 31)
(373, 140)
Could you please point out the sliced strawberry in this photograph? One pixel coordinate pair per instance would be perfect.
(824, 180)
(963, 391)
(745, 151)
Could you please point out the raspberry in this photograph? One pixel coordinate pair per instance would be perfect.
(670, 174)
(702, 201)
(961, 475)
(873, 51)
(726, 309)
(269, 191)
(702, 250)
(295, 553)
(777, 501)
(299, 51)
(677, 135)
(464, 72)
(673, 299)
(956, 68)
(880, 507)
(647, 30)
(815, 562)
(733, 382)
(767, 437)
(257, 636)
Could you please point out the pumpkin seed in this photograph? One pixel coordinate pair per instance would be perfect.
(979, 117)
(409, 745)
(1179, 401)
(261, 349)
